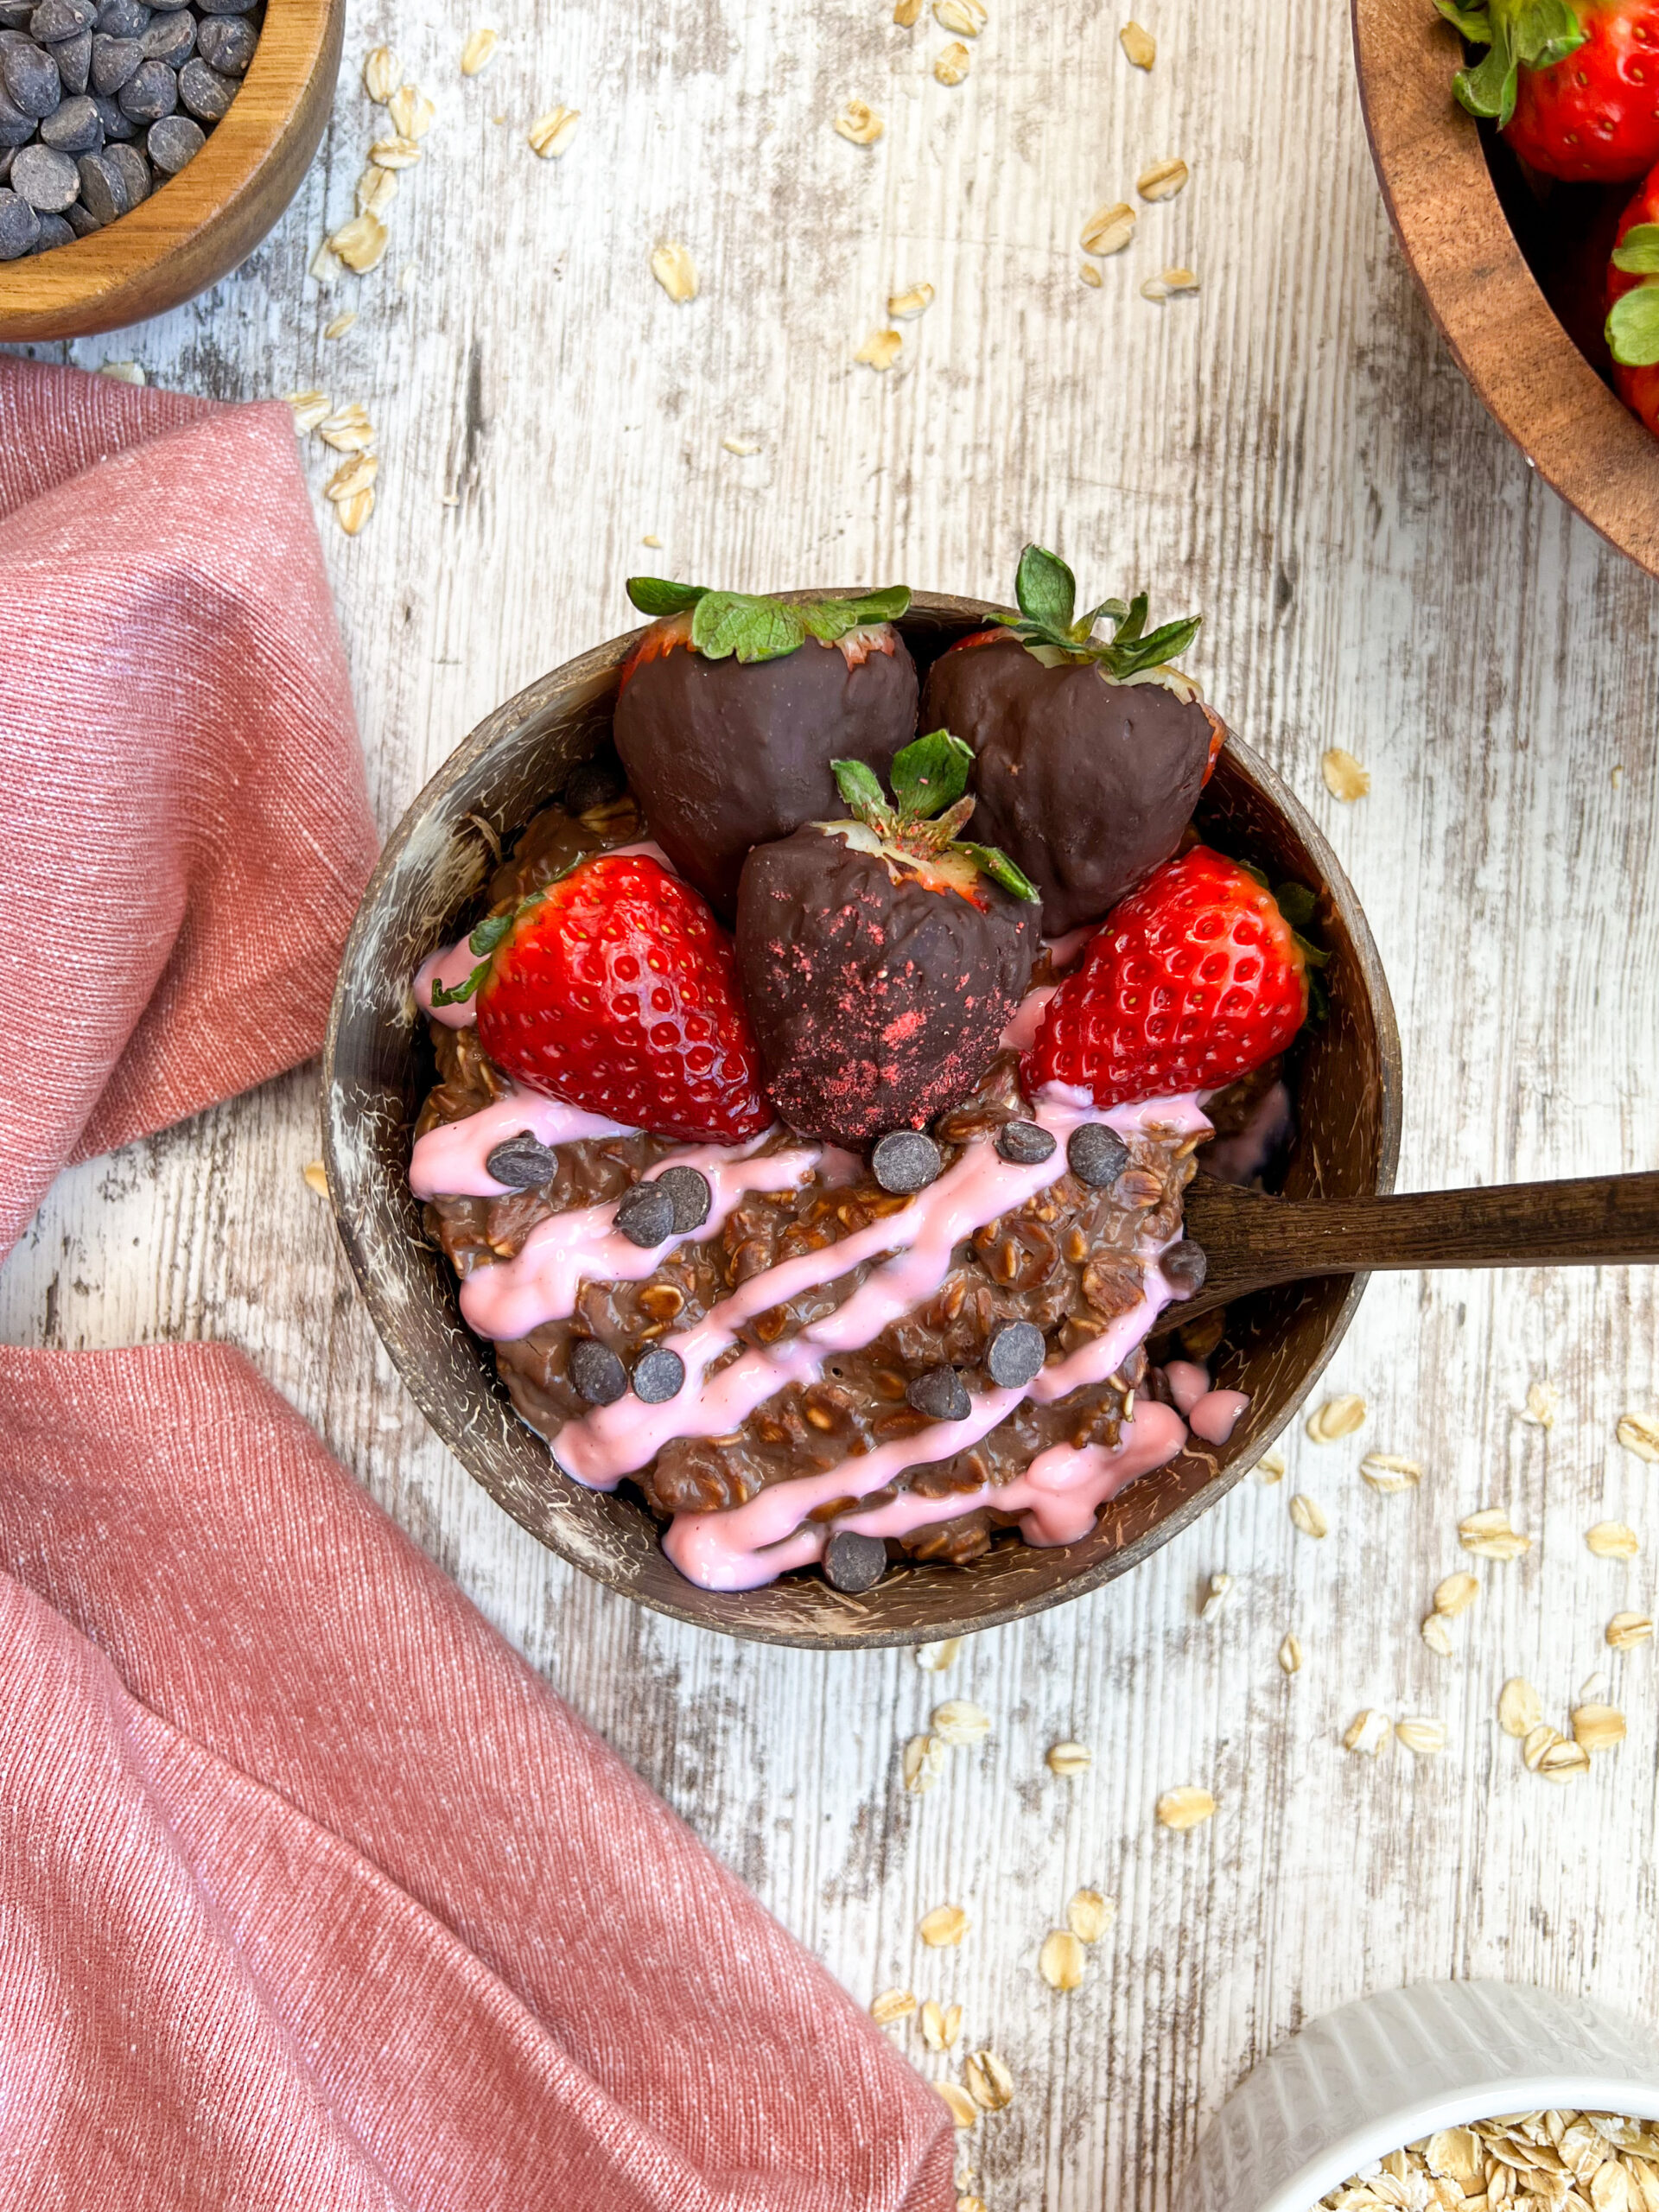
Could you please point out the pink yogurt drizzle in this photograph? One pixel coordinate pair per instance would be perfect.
(1058, 1495)
(1212, 1414)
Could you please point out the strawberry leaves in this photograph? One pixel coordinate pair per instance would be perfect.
(1633, 322)
(929, 805)
(1047, 593)
(483, 941)
(1519, 35)
(756, 627)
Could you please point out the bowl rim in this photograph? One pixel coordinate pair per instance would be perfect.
(211, 214)
(1488, 306)
(516, 715)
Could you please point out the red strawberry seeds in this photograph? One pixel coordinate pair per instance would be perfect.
(616, 989)
(1191, 981)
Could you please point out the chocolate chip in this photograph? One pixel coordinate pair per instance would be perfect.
(14, 14)
(1184, 1268)
(31, 77)
(171, 39)
(691, 1195)
(8, 154)
(135, 171)
(1028, 1144)
(103, 187)
(204, 92)
(75, 59)
(521, 1161)
(16, 129)
(56, 19)
(82, 221)
(646, 1217)
(940, 1394)
(226, 43)
(173, 142)
(596, 1373)
(152, 92)
(53, 231)
(1096, 1155)
(906, 1160)
(19, 226)
(853, 1563)
(1014, 1355)
(116, 125)
(74, 129)
(123, 18)
(116, 61)
(46, 178)
(659, 1374)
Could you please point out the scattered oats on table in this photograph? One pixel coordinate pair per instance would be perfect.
(1307, 1516)
(1455, 1594)
(1270, 1467)
(1089, 1915)
(670, 263)
(1489, 1535)
(964, 2110)
(934, 1658)
(340, 324)
(859, 123)
(1109, 230)
(1090, 275)
(123, 372)
(1335, 1419)
(1424, 1740)
(551, 134)
(1214, 1596)
(743, 447)
(944, 1927)
(1187, 1806)
(316, 1176)
(940, 2024)
(412, 113)
(390, 154)
(1597, 1728)
(1180, 280)
(1626, 1630)
(1613, 1540)
(310, 408)
(893, 2004)
(953, 64)
(480, 50)
(880, 349)
(966, 18)
(1386, 1473)
(380, 74)
(1290, 1653)
(1139, 45)
(924, 1763)
(348, 429)
(989, 2081)
(359, 244)
(1639, 1433)
(1367, 1733)
(1520, 1708)
(1060, 1962)
(906, 306)
(907, 14)
(376, 189)
(1343, 777)
(1154, 287)
(1069, 1758)
(959, 1721)
(1543, 1403)
(1163, 180)
(1437, 1636)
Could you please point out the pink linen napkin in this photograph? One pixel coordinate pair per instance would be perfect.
(311, 1894)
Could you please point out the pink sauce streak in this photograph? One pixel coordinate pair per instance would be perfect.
(1026, 1019)
(1058, 1495)
(455, 963)
(1187, 1383)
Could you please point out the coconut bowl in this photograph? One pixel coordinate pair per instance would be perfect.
(205, 222)
(378, 1065)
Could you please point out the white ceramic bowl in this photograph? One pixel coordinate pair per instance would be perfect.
(1387, 2069)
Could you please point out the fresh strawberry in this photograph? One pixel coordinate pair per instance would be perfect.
(1633, 304)
(1090, 752)
(880, 957)
(615, 989)
(1573, 84)
(1194, 980)
(730, 709)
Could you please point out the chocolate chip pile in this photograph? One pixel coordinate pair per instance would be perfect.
(100, 104)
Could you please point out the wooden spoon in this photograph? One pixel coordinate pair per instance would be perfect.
(1252, 1241)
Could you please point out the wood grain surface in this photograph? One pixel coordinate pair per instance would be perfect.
(1291, 448)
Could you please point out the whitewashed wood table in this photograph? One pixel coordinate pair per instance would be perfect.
(1288, 448)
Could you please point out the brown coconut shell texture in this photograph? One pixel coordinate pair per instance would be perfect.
(723, 755)
(1085, 784)
(876, 1005)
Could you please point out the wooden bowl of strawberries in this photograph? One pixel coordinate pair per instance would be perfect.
(759, 1130)
(1517, 145)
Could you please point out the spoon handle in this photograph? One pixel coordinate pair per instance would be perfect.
(1251, 1241)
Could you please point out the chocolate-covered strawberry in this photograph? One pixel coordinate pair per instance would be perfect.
(731, 709)
(880, 957)
(1090, 753)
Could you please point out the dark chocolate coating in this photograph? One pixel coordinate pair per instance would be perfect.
(1084, 784)
(723, 755)
(876, 1005)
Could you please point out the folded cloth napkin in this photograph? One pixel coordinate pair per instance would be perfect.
(311, 1897)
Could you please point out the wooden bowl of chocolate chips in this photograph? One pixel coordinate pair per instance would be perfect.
(379, 1065)
(147, 148)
